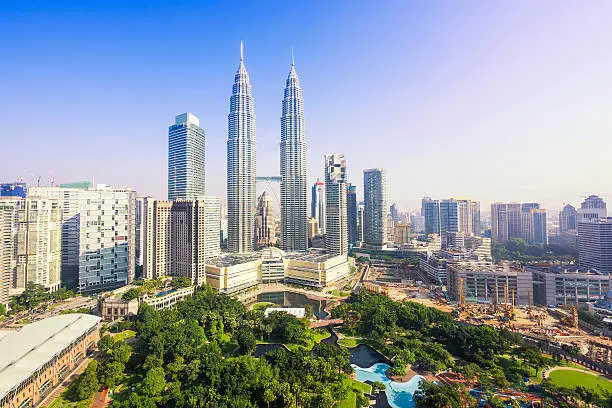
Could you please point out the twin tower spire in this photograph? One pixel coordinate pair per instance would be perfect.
(241, 165)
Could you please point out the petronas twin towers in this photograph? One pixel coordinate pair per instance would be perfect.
(241, 166)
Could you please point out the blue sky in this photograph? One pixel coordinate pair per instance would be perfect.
(489, 100)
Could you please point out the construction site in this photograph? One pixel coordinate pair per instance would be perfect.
(498, 305)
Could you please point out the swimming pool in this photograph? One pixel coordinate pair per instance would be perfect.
(399, 395)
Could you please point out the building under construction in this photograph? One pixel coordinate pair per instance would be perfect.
(488, 282)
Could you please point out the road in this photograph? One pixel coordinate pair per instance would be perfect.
(52, 310)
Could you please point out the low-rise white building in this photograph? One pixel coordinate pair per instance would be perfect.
(315, 268)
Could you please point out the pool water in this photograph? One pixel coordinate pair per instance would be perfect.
(399, 395)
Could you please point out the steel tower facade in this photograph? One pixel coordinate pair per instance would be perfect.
(293, 188)
(241, 164)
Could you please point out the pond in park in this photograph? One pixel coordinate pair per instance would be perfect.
(399, 395)
(292, 299)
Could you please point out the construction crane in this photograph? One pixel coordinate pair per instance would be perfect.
(575, 317)
(529, 302)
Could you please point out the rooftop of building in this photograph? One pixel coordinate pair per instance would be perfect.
(311, 256)
(486, 266)
(563, 269)
(26, 350)
(228, 259)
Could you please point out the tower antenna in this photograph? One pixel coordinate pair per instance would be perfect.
(292, 57)
(241, 51)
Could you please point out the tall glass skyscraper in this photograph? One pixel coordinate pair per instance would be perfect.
(317, 205)
(376, 208)
(186, 158)
(293, 189)
(241, 159)
(336, 234)
(351, 211)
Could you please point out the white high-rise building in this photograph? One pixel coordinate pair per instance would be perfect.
(186, 158)
(376, 208)
(293, 189)
(241, 165)
(30, 244)
(98, 235)
(336, 232)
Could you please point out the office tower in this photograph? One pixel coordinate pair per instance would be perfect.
(449, 217)
(186, 158)
(293, 189)
(595, 244)
(98, 235)
(475, 214)
(592, 207)
(317, 205)
(395, 213)
(156, 237)
(506, 222)
(265, 222)
(360, 214)
(351, 206)
(241, 164)
(390, 234)
(336, 234)
(376, 209)
(430, 209)
(313, 228)
(194, 237)
(16, 189)
(540, 231)
(567, 219)
(417, 223)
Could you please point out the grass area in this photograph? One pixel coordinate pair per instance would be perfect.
(340, 293)
(63, 402)
(126, 334)
(572, 379)
(262, 305)
(354, 387)
(317, 336)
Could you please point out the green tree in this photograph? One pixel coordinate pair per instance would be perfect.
(246, 341)
(120, 352)
(181, 282)
(105, 344)
(2, 309)
(87, 383)
(430, 395)
(154, 382)
(111, 374)
(133, 293)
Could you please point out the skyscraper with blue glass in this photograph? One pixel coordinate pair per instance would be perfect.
(186, 158)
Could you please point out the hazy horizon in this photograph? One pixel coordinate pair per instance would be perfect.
(490, 101)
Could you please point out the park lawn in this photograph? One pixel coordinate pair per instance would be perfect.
(62, 402)
(126, 334)
(262, 305)
(355, 387)
(340, 293)
(350, 341)
(572, 379)
(317, 336)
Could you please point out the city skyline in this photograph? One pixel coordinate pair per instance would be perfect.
(73, 92)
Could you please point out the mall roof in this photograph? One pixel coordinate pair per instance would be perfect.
(26, 350)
